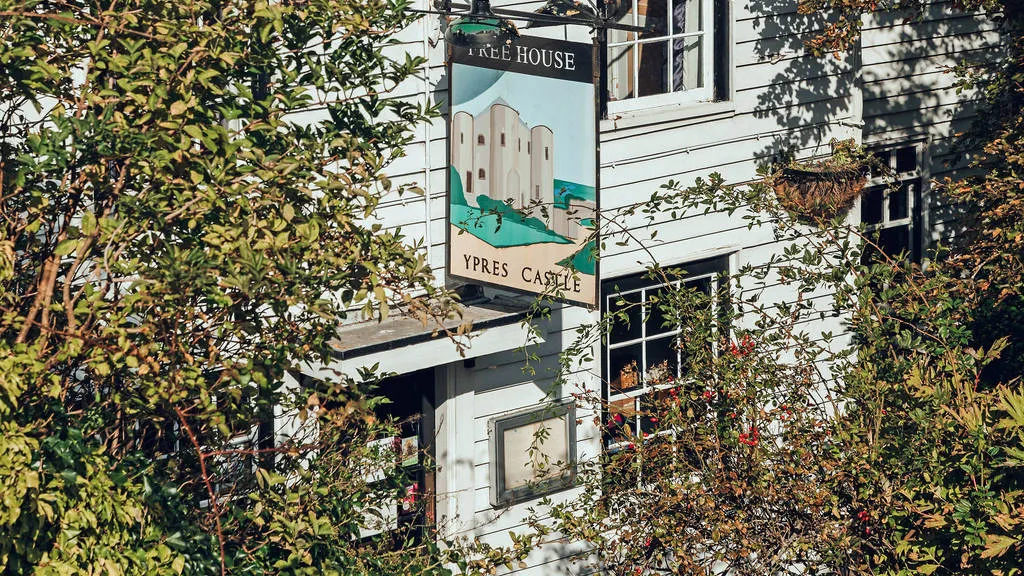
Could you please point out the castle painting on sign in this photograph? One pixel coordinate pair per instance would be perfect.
(522, 203)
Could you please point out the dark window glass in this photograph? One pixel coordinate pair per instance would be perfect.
(629, 305)
(620, 414)
(655, 21)
(625, 368)
(882, 158)
(653, 69)
(663, 351)
(894, 241)
(871, 205)
(899, 201)
(906, 159)
(656, 322)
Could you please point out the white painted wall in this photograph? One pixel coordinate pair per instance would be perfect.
(892, 88)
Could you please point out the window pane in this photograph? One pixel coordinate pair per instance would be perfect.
(621, 413)
(662, 359)
(895, 240)
(654, 17)
(906, 159)
(628, 18)
(656, 321)
(687, 63)
(653, 69)
(649, 417)
(622, 36)
(686, 16)
(899, 201)
(628, 319)
(624, 365)
(871, 206)
(701, 285)
(620, 72)
(882, 163)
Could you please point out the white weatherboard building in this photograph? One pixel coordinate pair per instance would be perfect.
(716, 86)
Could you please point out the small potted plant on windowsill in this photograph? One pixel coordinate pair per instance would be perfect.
(821, 189)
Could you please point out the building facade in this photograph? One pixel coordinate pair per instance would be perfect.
(715, 86)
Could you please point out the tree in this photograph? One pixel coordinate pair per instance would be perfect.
(989, 253)
(904, 457)
(174, 241)
(733, 463)
(959, 394)
(778, 449)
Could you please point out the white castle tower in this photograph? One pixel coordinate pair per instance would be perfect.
(496, 154)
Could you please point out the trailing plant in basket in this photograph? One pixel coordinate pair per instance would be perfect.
(817, 190)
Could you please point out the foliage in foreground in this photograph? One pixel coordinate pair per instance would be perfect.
(906, 457)
(172, 241)
(775, 447)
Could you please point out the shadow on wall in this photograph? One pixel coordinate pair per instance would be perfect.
(807, 96)
(900, 67)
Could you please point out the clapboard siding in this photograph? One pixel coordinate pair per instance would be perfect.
(909, 93)
(910, 50)
(782, 98)
(927, 33)
(924, 98)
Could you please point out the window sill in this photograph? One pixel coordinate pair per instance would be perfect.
(699, 112)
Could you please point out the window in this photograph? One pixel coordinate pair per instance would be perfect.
(480, 139)
(481, 174)
(397, 472)
(672, 61)
(642, 354)
(532, 453)
(502, 139)
(235, 467)
(891, 204)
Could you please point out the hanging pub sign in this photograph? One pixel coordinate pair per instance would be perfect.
(522, 192)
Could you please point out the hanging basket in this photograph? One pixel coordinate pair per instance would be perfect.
(819, 193)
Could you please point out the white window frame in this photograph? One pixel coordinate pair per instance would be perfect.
(703, 94)
(889, 178)
(718, 267)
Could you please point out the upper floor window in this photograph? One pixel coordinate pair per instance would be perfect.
(890, 207)
(671, 62)
(644, 353)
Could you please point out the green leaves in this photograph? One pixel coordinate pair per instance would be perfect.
(176, 237)
(66, 247)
